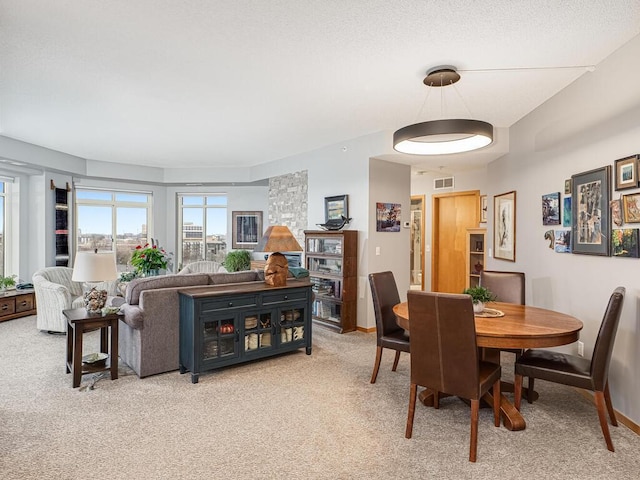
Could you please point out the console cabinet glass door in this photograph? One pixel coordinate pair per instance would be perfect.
(258, 332)
(219, 338)
(292, 325)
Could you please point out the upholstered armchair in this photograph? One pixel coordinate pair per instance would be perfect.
(204, 266)
(55, 291)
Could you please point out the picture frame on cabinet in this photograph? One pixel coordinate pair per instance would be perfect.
(504, 226)
(626, 172)
(246, 229)
(336, 207)
(591, 219)
(631, 208)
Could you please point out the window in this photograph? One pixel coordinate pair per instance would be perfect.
(103, 215)
(3, 204)
(203, 223)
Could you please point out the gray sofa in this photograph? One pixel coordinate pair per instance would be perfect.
(148, 337)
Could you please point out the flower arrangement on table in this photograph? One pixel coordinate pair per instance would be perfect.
(149, 259)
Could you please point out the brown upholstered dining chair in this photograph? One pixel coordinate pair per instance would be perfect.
(384, 292)
(508, 287)
(577, 371)
(444, 356)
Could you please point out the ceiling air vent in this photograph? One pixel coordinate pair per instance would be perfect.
(440, 183)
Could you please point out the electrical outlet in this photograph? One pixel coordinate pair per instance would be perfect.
(581, 348)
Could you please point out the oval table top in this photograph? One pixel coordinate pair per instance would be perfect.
(522, 326)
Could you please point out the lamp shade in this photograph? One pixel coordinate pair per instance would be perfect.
(278, 238)
(94, 267)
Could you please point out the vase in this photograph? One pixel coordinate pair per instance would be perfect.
(152, 272)
(478, 307)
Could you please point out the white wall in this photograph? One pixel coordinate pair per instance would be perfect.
(589, 125)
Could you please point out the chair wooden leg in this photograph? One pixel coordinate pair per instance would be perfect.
(436, 400)
(496, 403)
(376, 365)
(473, 444)
(600, 405)
(395, 361)
(517, 390)
(530, 390)
(413, 392)
(607, 399)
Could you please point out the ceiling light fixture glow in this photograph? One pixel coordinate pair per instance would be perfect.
(441, 137)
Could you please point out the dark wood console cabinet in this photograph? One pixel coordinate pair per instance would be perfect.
(222, 325)
(17, 303)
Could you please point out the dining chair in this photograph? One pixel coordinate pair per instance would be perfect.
(508, 287)
(444, 356)
(578, 371)
(384, 293)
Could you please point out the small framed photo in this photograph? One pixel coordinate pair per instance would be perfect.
(336, 207)
(551, 209)
(626, 172)
(631, 208)
(483, 209)
(591, 223)
(247, 229)
(566, 212)
(388, 217)
(504, 226)
(624, 242)
(567, 186)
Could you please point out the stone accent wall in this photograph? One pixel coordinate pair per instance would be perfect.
(288, 202)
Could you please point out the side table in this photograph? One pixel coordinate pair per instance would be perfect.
(80, 321)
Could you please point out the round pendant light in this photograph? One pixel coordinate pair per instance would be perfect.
(440, 137)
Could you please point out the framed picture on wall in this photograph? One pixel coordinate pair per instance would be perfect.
(504, 226)
(631, 208)
(247, 229)
(388, 217)
(591, 215)
(626, 172)
(551, 209)
(483, 209)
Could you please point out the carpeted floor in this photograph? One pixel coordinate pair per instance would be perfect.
(291, 417)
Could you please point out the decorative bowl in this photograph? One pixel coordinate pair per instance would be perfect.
(95, 359)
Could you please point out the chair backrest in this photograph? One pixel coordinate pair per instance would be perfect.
(384, 293)
(59, 275)
(606, 338)
(444, 353)
(506, 286)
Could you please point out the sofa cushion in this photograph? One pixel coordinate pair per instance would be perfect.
(234, 277)
(138, 285)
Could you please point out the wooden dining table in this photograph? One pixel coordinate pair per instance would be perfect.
(521, 326)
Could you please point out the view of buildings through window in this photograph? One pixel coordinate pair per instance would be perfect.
(203, 223)
(102, 216)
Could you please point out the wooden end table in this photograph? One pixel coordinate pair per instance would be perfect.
(80, 321)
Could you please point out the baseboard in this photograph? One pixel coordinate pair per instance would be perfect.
(626, 421)
(366, 330)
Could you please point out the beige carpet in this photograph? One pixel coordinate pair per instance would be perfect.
(290, 417)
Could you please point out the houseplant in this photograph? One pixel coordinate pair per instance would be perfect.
(148, 260)
(237, 260)
(7, 282)
(480, 296)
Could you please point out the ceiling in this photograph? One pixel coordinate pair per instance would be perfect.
(200, 83)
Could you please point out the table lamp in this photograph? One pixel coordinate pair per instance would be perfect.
(277, 238)
(93, 268)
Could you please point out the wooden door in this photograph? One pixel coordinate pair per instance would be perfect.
(453, 213)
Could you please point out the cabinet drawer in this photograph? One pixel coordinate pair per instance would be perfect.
(7, 306)
(234, 302)
(287, 296)
(24, 303)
